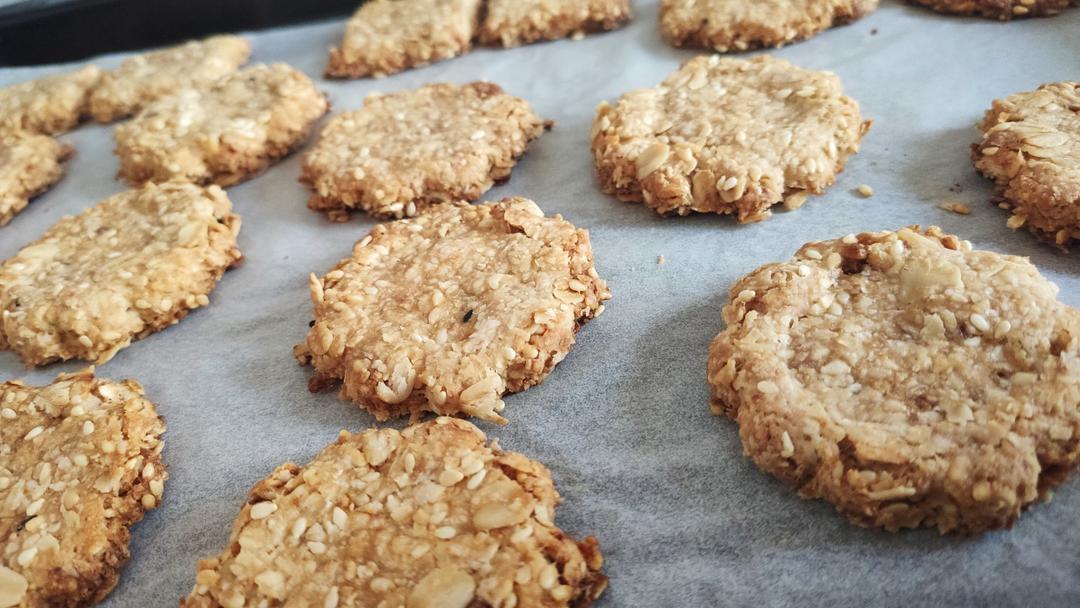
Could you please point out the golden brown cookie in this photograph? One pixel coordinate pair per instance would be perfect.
(741, 25)
(223, 134)
(1031, 149)
(132, 265)
(447, 311)
(51, 104)
(388, 36)
(511, 23)
(429, 517)
(404, 152)
(999, 9)
(29, 165)
(724, 135)
(80, 464)
(905, 378)
(150, 76)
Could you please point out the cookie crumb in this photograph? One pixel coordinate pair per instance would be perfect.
(865, 191)
(660, 260)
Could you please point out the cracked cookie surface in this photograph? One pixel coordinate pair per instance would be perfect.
(127, 267)
(729, 136)
(447, 311)
(50, 104)
(999, 9)
(905, 378)
(511, 23)
(29, 165)
(222, 134)
(1031, 149)
(403, 152)
(143, 78)
(387, 36)
(427, 517)
(742, 25)
(80, 463)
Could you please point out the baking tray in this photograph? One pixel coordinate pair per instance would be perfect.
(682, 517)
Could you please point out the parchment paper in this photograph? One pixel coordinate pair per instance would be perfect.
(682, 517)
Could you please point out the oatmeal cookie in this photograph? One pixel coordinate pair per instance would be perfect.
(724, 135)
(905, 378)
(447, 311)
(133, 264)
(404, 152)
(388, 36)
(999, 9)
(80, 464)
(223, 134)
(511, 23)
(741, 25)
(427, 517)
(29, 165)
(49, 105)
(144, 78)
(1031, 149)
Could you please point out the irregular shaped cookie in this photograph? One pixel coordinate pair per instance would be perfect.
(81, 464)
(388, 36)
(740, 25)
(404, 152)
(447, 311)
(150, 76)
(999, 9)
(133, 264)
(1031, 149)
(427, 517)
(29, 165)
(727, 136)
(905, 378)
(50, 104)
(223, 134)
(512, 23)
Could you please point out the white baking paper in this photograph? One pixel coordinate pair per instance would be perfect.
(682, 517)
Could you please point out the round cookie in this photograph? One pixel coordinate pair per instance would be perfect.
(404, 152)
(905, 378)
(29, 165)
(429, 517)
(741, 25)
(80, 463)
(447, 311)
(131, 265)
(724, 135)
(511, 23)
(222, 134)
(144, 78)
(1031, 149)
(999, 9)
(50, 104)
(387, 36)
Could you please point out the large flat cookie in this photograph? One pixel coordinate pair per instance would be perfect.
(740, 25)
(905, 378)
(511, 23)
(999, 9)
(1031, 149)
(404, 152)
(447, 311)
(131, 265)
(429, 517)
(29, 165)
(725, 135)
(150, 76)
(388, 36)
(223, 134)
(80, 464)
(51, 104)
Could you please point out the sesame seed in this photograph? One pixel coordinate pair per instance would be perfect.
(865, 191)
(262, 510)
